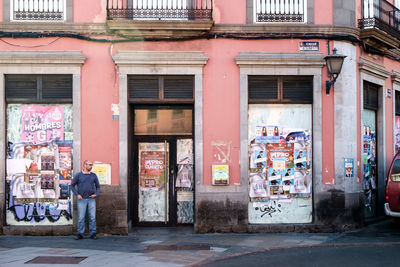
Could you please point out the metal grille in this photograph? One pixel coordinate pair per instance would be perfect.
(162, 9)
(280, 10)
(38, 10)
(56, 260)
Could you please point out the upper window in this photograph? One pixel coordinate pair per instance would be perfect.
(280, 10)
(38, 10)
(371, 95)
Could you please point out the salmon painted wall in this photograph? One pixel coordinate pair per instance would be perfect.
(90, 11)
(323, 14)
(99, 134)
(229, 12)
(323, 11)
(221, 90)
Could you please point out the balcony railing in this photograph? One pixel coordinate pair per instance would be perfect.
(38, 10)
(382, 15)
(280, 10)
(160, 9)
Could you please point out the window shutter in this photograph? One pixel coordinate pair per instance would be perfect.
(397, 101)
(371, 95)
(38, 88)
(178, 87)
(263, 88)
(298, 89)
(21, 87)
(143, 87)
(56, 87)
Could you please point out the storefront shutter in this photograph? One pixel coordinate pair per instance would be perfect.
(178, 87)
(38, 88)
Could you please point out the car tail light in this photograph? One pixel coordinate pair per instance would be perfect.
(386, 194)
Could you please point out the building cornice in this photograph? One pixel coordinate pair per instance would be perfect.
(373, 68)
(268, 59)
(159, 58)
(42, 57)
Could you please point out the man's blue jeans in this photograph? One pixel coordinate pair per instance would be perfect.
(88, 204)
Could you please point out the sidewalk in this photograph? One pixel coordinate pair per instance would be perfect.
(165, 247)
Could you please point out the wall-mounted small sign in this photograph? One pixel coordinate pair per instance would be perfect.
(309, 46)
(220, 174)
(388, 93)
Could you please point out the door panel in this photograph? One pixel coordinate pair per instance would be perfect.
(153, 181)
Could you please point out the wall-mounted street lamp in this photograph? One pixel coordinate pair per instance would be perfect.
(334, 63)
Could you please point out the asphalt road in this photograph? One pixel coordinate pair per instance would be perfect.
(375, 245)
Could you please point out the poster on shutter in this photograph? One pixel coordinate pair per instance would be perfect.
(152, 170)
(184, 151)
(42, 124)
(184, 177)
(258, 184)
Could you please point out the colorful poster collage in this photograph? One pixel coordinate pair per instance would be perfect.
(280, 164)
(39, 168)
(369, 154)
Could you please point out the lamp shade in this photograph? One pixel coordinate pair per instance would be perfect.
(334, 63)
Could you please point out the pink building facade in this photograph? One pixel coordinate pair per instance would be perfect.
(198, 112)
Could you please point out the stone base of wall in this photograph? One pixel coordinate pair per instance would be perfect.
(112, 211)
(38, 230)
(334, 211)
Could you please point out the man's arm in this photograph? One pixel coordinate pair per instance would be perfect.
(97, 184)
(73, 183)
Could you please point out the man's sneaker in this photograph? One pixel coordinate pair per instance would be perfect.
(79, 236)
(93, 237)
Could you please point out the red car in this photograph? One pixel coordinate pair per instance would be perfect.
(392, 205)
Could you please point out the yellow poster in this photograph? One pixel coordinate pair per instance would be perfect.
(103, 172)
(220, 174)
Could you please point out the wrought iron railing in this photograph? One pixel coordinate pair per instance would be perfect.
(382, 15)
(41, 10)
(160, 9)
(280, 10)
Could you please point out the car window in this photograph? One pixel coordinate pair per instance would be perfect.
(396, 167)
(395, 175)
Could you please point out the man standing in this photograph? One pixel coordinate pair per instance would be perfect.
(88, 189)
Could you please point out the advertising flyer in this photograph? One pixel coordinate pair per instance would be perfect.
(279, 156)
(184, 151)
(152, 170)
(220, 174)
(103, 172)
(42, 124)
